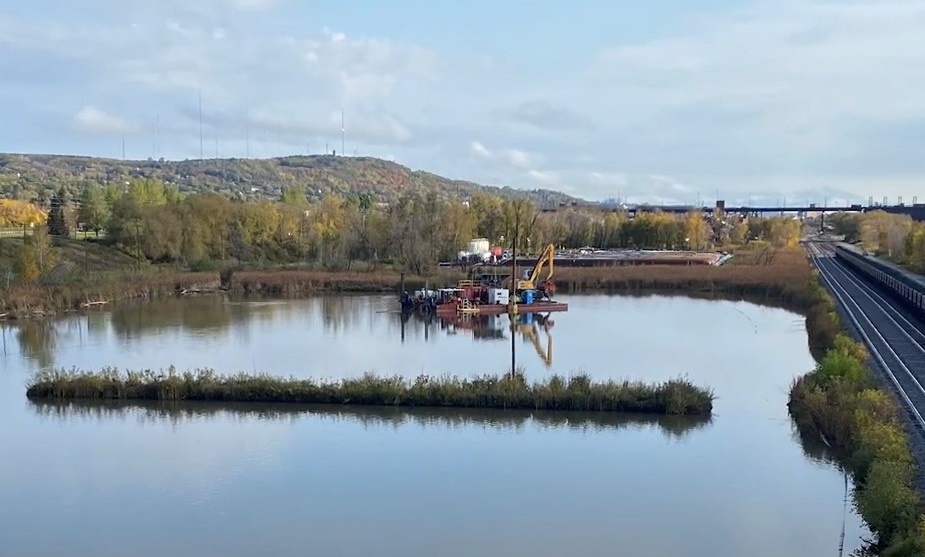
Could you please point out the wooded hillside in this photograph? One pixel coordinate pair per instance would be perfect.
(39, 177)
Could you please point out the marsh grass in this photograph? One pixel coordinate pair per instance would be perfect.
(779, 280)
(575, 393)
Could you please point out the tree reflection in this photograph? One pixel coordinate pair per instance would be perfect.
(37, 341)
(208, 314)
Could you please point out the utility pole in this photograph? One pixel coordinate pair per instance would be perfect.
(512, 301)
(154, 140)
(123, 146)
(201, 152)
(247, 132)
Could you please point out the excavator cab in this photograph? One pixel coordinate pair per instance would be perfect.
(531, 281)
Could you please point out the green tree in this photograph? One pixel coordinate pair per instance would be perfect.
(57, 219)
(94, 209)
(293, 196)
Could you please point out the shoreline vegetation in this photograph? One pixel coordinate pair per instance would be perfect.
(508, 391)
(843, 403)
(759, 272)
(840, 401)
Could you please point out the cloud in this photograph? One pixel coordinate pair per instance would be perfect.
(772, 98)
(797, 81)
(90, 119)
(516, 158)
(544, 116)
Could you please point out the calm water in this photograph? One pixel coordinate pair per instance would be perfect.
(91, 480)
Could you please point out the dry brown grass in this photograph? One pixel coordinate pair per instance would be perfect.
(35, 300)
(784, 276)
(296, 281)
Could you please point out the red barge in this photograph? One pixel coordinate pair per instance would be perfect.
(489, 294)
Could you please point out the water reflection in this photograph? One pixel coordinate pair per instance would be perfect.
(207, 316)
(219, 318)
(179, 413)
(532, 327)
(37, 341)
(250, 476)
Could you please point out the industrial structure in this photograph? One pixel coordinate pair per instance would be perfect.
(492, 292)
(916, 210)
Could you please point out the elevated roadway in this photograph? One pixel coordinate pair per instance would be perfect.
(894, 337)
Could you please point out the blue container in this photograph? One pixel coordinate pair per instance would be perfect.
(528, 296)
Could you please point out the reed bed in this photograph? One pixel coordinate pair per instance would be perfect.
(784, 277)
(293, 282)
(575, 393)
(39, 300)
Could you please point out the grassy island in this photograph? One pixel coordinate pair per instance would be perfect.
(575, 393)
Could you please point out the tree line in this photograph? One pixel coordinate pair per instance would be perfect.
(895, 237)
(154, 221)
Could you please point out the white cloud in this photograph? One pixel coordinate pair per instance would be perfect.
(90, 119)
(770, 97)
(515, 158)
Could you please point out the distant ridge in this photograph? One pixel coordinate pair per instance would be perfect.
(37, 175)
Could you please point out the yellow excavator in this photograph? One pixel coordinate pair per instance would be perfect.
(547, 288)
(529, 331)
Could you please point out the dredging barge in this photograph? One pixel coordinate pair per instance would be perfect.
(492, 294)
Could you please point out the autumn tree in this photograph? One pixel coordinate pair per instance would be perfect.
(328, 219)
(36, 256)
(18, 213)
(695, 230)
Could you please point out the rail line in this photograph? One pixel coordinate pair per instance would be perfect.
(895, 342)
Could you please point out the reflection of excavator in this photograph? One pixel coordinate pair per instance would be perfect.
(529, 331)
(546, 288)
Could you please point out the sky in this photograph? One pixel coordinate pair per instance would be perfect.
(662, 101)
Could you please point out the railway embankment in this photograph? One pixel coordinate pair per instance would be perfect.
(856, 401)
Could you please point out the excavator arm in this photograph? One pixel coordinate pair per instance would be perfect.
(546, 258)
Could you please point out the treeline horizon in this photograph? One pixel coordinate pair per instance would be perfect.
(153, 221)
(895, 237)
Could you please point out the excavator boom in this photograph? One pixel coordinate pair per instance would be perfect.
(546, 258)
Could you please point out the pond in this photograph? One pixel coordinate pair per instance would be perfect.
(235, 480)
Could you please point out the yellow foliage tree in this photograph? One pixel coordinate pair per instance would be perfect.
(695, 230)
(18, 213)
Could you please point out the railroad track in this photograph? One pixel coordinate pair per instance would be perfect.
(894, 339)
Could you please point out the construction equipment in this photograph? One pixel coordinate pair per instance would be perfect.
(531, 281)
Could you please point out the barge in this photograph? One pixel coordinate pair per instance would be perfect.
(492, 294)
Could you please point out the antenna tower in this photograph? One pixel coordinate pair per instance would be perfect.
(201, 153)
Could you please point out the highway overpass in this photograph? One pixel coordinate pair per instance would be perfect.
(916, 211)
